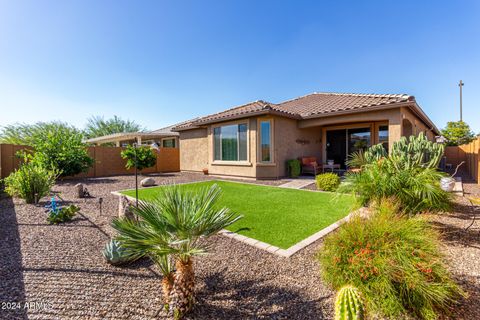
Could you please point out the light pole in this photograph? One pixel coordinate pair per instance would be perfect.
(460, 84)
(153, 146)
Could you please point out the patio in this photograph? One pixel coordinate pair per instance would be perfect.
(62, 266)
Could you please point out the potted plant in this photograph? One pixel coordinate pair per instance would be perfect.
(205, 171)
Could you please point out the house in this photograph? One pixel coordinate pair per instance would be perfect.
(256, 139)
(164, 137)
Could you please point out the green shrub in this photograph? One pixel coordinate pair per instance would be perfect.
(327, 181)
(146, 157)
(30, 182)
(417, 189)
(293, 167)
(395, 261)
(62, 149)
(63, 214)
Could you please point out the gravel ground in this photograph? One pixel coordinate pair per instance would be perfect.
(62, 267)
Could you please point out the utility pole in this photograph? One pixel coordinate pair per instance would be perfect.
(460, 84)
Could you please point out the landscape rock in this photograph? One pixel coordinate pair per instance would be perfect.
(79, 192)
(147, 182)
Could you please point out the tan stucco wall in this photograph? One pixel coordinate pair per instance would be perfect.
(293, 142)
(193, 150)
(417, 125)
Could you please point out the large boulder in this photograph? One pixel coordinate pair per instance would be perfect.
(147, 182)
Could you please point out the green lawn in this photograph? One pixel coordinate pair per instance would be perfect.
(280, 217)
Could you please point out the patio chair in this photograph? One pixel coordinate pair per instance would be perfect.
(310, 165)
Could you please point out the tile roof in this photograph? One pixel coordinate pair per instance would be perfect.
(309, 106)
(325, 103)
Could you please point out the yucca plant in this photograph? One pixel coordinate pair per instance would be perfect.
(172, 226)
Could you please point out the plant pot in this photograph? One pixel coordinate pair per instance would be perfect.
(205, 171)
(447, 184)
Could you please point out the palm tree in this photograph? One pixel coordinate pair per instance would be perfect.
(171, 228)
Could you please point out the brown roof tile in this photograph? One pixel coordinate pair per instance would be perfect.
(312, 105)
(325, 103)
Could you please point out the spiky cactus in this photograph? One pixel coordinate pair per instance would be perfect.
(116, 255)
(417, 151)
(349, 305)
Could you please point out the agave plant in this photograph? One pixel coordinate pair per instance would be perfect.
(116, 255)
(171, 227)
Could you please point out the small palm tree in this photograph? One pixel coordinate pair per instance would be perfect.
(171, 228)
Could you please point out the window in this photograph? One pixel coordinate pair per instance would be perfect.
(358, 139)
(230, 142)
(168, 143)
(265, 141)
(383, 136)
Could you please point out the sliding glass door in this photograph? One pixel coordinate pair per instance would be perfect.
(342, 142)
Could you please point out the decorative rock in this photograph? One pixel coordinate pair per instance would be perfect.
(124, 208)
(79, 192)
(147, 182)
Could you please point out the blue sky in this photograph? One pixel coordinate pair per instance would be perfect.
(162, 62)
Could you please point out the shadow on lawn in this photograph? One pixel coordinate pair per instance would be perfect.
(12, 287)
(252, 299)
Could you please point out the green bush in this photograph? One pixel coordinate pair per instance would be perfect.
(417, 189)
(293, 167)
(146, 157)
(394, 261)
(327, 181)
(30, 182)
(61, 148)
(62, 215)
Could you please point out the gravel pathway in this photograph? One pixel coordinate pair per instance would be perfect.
(62, 268)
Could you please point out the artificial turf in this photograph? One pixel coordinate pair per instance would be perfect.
(278, 216)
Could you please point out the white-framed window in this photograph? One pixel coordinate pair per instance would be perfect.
(266, 151)
(230, 142)
(169, 143)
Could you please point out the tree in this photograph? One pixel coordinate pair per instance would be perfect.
(170, 230)
(458, 133)
(97, 126)
(57, 146)
(28, 134)
(61, 148)
(145, 157)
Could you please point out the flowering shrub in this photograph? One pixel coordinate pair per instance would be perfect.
(394, 261)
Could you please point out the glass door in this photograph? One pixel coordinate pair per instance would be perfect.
(337, 146)
(358, 139)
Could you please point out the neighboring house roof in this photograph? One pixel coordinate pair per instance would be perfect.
(314, 105)
(123, 136)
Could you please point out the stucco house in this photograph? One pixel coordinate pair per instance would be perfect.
(256, 139)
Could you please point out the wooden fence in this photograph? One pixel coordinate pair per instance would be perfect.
(108, 161)
(469, 154)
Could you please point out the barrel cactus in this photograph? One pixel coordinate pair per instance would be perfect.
(116, 255)
(417, 151)
(349, 305)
